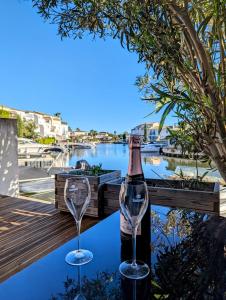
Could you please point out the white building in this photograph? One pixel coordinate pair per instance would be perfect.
(102, 135)
(152, 131)
(47, 125)
(65, 130)
(78, 134)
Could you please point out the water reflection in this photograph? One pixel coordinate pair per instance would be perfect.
(188, 259)
(173, 163)
(124, 149)
(115, 157)
(152, 160)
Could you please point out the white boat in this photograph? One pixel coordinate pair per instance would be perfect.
(29, 147)
(151, 148)
(84, 145)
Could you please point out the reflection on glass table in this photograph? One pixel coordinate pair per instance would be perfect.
(103, 285)
(187, 262)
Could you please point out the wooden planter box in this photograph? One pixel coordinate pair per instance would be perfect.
(167, 192)
(96, 207)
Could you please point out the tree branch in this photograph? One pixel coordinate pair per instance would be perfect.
(197, 45)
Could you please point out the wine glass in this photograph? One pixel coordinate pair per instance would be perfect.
(133, 199)
(77, 198)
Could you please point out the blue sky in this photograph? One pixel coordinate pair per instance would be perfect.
(90, 82)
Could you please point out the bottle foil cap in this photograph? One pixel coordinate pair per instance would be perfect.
(134, 141)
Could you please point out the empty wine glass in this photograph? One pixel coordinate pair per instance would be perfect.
(77, 198)
(134, 203)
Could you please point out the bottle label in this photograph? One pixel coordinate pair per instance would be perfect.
(126, 228)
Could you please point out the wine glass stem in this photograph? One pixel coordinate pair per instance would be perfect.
(134, 240)
(78, 225)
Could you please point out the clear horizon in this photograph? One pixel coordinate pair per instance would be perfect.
(90, 82)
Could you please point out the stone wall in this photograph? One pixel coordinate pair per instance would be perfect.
(9, 172)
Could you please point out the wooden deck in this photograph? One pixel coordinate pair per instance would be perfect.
(29, 229)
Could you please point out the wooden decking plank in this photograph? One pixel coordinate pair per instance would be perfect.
(32, 256)
(23, 208)
(14, 205)
(35, 240)
(9, 210)
(32, 229)
(30, 232)
(25, 220)
(38, 251)
(25, 213)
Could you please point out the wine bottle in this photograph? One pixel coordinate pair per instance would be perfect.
(135, 173)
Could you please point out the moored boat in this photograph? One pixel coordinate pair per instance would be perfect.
(151, 148)
(84, 145)
(29, 147)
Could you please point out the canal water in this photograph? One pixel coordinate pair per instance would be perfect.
(116, 157)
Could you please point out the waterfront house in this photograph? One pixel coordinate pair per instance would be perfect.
(152, 131)
(46, 125)
(104, 136)
(79, 135)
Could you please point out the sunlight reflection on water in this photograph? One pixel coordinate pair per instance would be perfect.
(115, 157)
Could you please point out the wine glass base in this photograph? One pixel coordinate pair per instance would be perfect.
(79, 257)
(139, 271)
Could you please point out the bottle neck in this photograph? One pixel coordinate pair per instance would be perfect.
(135, 166)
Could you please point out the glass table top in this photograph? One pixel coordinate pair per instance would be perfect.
(187, 262)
